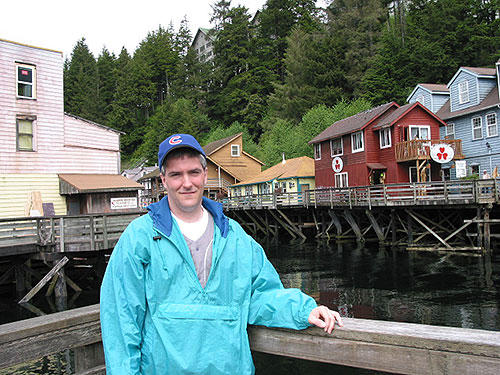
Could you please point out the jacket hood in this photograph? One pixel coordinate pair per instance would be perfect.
(162, 218)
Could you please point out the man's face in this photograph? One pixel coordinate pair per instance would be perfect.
(184, 180)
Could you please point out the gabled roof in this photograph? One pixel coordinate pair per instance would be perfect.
(207, 33)
(217, 145)
(432, 88)
(298, 167)
(477, 72)
(353, 123)
(95, 183)
(491, 100)
(402, 111)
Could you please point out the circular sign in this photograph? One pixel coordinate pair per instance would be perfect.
(442, 153)
(337, 164)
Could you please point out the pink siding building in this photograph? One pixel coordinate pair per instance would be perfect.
(38, 141)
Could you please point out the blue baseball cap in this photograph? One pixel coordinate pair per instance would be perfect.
(177, 141)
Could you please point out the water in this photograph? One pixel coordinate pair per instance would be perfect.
(415, 287)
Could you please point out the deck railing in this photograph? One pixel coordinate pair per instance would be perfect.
(63, 233)
(420, 149)
(401, 348)
(406, 194)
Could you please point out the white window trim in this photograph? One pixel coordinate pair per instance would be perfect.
(479, 127)
(421, 127)
(384, 130)
(464, 92)
(237, 153)
(33, 80)
(353, 142)
(446, 129)
(341, 147)
(340, 175)
(489, 126)
(317, 146)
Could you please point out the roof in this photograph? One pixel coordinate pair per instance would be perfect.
(152, 174)
(216, 145)
(491, 100)
(93, 123)
(478, 72)
(402, 111)
(352, 124)
(135, 173)
(298, 167)
(375, 166)
(30, 46)
(95, 183)
(433, 88)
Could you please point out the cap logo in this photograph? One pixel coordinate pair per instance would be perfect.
(175, 140)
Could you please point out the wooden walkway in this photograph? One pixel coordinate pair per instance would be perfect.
(472, 192)
(400, 348)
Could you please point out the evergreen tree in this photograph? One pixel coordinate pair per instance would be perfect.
(106, 80)
(80, 83)
(220, 14)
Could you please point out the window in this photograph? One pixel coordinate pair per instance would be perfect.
(420, 132)
(385, 138)
(477, 128)
(450, 130)
(336, 147)
(24, 135)
(26, 81)
(463, 92)
(357, 142)
(491, 125)
(474, 169)
(341, 180)
(317, 151)
(248, 190)
(235, 150)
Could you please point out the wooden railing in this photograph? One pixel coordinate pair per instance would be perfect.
(401, 348)
(63, 233)
(407, 194)
(420, 149)
(218, 183)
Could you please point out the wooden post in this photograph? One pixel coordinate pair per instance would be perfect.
(486, 229)
(20, 289)
(479, 229)
(61, 234)
(393, 228)
(92, 233)
(410, 230)
(89, 357)
(105, 232)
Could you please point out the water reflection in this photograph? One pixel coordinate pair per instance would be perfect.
(428, 288)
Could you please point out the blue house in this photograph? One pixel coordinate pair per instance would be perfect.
(471, 113)
(432, 96)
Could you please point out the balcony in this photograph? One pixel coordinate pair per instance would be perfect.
(421, 149)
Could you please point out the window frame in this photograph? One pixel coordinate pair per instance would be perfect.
(341, 177)
(32, 68)
(353, 141)
(463, 92)
(235, 147)
(317, 151)
(447, 134)
(480, 127)
(381, 137)
(488, 126)
(428, 127)
(19, 133)
(334, 154)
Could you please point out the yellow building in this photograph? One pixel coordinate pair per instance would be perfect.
(289, 176)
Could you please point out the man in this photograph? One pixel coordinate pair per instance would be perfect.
(184, 282)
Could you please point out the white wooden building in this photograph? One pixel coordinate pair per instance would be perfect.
(38, 141)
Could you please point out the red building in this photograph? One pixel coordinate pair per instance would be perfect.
(386, 144)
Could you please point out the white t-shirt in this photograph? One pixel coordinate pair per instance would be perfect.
(195, 230)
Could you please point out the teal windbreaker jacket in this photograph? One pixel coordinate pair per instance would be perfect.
(157, 319)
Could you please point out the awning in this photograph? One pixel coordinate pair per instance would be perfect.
(374, 166)
(95, 183)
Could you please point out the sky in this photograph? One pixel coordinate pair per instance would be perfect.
(59, 24)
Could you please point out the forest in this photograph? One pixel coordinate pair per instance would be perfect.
(280, 76)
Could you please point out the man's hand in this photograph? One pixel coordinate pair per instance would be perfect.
(323, 317)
